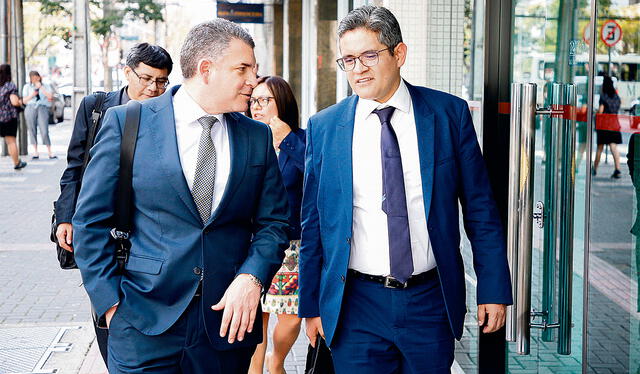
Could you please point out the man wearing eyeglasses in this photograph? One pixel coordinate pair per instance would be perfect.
(147, 72)
(381, 273)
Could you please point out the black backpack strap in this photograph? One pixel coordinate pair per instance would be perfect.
(122, 227)
(96, 115)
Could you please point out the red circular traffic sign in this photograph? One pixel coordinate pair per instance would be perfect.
(610, 33)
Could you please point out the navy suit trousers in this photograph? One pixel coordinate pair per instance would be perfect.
(384, 331)
(184, 348)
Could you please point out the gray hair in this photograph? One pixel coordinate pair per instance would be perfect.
(209, 40)
(377, 19)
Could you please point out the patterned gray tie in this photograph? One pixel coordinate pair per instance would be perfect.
(205, 175)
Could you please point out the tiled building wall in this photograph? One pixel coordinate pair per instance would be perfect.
(433, 32)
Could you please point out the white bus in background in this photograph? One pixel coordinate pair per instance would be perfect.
(539, 68)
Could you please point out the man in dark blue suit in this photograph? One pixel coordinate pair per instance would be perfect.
(147, 73)
(381, 273)
(209, 218)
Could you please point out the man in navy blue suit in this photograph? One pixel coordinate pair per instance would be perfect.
(147, 73)
(209, 216)
(381, 273)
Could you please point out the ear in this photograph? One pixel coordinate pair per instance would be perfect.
(204, 69)
(127, 73)
(400, 54)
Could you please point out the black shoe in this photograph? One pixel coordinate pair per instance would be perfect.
(616, 174)
(53, 157)
(593, 172)
(20, 165)
(35, 157)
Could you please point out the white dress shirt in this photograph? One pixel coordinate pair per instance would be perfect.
(188, 130)
(370, 242)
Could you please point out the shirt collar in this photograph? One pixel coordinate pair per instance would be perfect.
(401, 100)
(125, 96)
(189, 110)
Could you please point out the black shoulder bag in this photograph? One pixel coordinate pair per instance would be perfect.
(66, 258)
(120, 233)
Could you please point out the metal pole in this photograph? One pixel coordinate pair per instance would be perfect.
(567, 194)
(81, 70)
(527, 162)
(4, 50)
(17, 54)
(587, 193)
(513, 219)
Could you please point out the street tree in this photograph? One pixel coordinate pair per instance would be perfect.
(107, 16)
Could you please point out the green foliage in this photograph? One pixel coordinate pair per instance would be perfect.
(53, 8)
(113, 13)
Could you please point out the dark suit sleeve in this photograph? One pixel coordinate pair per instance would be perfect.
(481, 220)
(293, 145)
(271, 219)
(310, 260)
(94, 251)
(70, 180)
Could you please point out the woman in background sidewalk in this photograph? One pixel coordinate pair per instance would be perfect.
(272, 102)
(38, 97)
(9, 100)
(609, 104)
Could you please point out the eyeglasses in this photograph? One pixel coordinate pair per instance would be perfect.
(262, 101)
(368, 59)
(148, 81)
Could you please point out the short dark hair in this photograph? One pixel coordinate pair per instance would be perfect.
(284, 98)
(375, 18)
(33, 73)
(148, 54)
(5, 74)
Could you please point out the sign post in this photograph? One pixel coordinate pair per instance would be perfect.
(610, 34)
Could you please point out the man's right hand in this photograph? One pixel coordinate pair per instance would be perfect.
(314, 327)
(64, 234)
(109, 314)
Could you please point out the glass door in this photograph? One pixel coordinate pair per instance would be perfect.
(613, 326)
(548, 110)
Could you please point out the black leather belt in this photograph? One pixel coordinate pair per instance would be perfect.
(391, 282)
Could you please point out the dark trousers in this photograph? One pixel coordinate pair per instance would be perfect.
(102, 337)
(384, 331)
(184, 348)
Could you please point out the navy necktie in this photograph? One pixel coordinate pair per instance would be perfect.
(394, 200)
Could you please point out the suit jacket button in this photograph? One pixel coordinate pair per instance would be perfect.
(348, 240)
(197, 270)
(342, 278)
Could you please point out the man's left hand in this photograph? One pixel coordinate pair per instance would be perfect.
(494, 314)
(240, 302)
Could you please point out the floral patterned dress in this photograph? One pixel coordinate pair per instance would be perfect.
(282, 297)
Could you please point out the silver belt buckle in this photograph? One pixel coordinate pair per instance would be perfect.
(391, 282)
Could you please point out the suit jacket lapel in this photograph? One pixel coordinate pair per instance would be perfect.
(167, 146)
(239, 147)
(344, 145)
(425, 127)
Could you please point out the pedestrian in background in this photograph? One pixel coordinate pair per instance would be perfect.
(147, 72)
(38, 97)
(9, 101)
(609, 106)
(273, 103)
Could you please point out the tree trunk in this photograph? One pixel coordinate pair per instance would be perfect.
(104, 48)
(108, 10)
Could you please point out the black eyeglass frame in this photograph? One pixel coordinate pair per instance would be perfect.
(254, 100)
(343, 66)
(162, 85)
